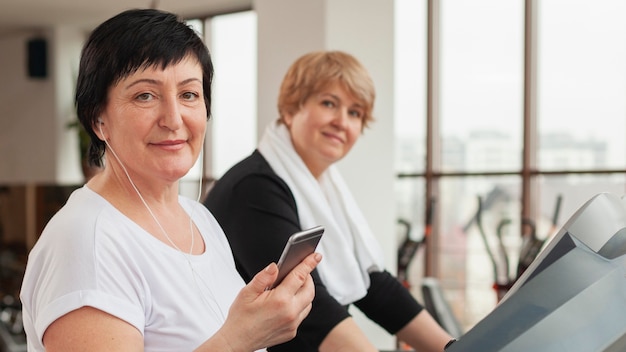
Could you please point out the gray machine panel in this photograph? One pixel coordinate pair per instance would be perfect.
(573, 296)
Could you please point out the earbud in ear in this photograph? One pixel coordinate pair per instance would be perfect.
(100, 123)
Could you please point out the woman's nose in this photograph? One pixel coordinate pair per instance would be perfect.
(341, 118)
(171, 117)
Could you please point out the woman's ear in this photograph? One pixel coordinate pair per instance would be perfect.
(98, 129)
(287, 119)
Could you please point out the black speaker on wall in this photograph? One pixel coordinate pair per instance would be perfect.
(37, 58)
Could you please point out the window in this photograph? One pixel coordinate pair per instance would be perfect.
(482, 55)
(233, 122)
(582, 84)
(576, 149)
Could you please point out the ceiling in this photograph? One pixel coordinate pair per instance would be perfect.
(19, 15)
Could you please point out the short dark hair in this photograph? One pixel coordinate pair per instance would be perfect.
(132, 40)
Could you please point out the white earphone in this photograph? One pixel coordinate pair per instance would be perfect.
(100, 128)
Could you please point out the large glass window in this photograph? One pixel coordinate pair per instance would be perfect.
(581, 84)
(482, 53)
(575, 148)
(233, 46)
(481, 126)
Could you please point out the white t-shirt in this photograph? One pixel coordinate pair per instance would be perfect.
(90, 254)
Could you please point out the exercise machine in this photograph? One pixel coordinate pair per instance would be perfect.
(572, 297)
(531, 246)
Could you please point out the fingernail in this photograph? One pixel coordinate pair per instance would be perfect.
(318, 257)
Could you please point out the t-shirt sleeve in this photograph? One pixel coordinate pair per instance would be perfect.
(388, 303)
(258, 215)
(65, 275)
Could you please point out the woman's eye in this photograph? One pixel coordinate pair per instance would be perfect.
(328, 103)
(356, 113)
(190, 96)
(145, 97)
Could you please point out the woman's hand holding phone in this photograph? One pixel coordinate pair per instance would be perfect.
(299, 246)
(273, 316)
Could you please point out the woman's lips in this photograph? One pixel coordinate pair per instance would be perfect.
(334, 136)
(170, 144)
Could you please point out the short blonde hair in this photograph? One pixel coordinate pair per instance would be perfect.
(313, 72)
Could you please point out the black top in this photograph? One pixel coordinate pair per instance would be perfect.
(258, 212)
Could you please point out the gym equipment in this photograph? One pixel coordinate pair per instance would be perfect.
(531, 244)
(12, 336)
(501, 280)
(409, 246)
(437, 305)
(530, 248)
(572, 297)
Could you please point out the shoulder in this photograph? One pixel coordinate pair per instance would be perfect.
(252, 176)
(85, 232)
(70, 250)
(254, 164)
(85, 229)
(74, 222)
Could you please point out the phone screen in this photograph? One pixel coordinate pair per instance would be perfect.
(299, 246)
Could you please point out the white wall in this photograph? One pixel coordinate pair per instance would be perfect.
(27, 149)
(286, 30)
(34, 111)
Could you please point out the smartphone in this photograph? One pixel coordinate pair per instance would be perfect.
(299, 246)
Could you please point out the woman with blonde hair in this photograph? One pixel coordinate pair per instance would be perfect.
(291, 183)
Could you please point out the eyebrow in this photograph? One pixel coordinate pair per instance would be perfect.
(154, 81)
(330, 95)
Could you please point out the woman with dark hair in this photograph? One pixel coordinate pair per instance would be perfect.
(128, 264)
(290, 183)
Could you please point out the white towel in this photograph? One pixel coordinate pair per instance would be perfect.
(349, 248)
